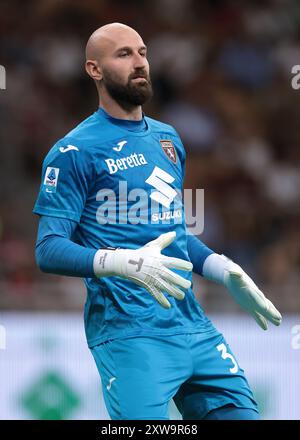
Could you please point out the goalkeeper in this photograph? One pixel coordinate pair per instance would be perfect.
(149, 336)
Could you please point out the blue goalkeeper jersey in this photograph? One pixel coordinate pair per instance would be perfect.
(121, 182)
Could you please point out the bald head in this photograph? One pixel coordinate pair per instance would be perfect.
(116, 59)
(106, 38)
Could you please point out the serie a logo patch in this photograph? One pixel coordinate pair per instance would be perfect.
(169, 149)
(50, 180)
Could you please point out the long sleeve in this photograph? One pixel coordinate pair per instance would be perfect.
(56, 253)
(198, 252)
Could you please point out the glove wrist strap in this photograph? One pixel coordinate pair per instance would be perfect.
(104, 262)
(214, 267)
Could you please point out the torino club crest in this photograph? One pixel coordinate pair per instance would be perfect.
(169, 149)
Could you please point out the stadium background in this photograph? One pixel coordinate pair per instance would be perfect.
(222, 76)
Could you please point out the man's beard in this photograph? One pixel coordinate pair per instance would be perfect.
(131, 94)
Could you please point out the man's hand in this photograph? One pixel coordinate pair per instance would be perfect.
(222, 270)
(249, 297)
(146, 267)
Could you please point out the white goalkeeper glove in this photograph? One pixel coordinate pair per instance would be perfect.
(245, 292)
(146, 267)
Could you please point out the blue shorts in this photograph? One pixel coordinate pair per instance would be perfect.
(141, 374)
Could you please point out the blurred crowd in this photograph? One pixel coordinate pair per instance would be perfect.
(221, 72)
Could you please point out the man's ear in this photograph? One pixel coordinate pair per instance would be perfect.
(93, 69)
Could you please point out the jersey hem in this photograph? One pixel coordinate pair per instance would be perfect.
(209, 331)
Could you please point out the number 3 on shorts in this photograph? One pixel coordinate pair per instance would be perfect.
(225, 355)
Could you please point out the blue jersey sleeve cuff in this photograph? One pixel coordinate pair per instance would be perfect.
(39, 210)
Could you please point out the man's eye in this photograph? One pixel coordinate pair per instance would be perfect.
(124, 54)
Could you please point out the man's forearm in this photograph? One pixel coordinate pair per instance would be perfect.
(61, 256)
(56, 252)
(198, 253)
(206, 262)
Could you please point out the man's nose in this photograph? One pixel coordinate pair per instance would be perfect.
(139, 61)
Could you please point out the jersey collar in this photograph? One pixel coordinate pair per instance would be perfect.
(130, 125)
